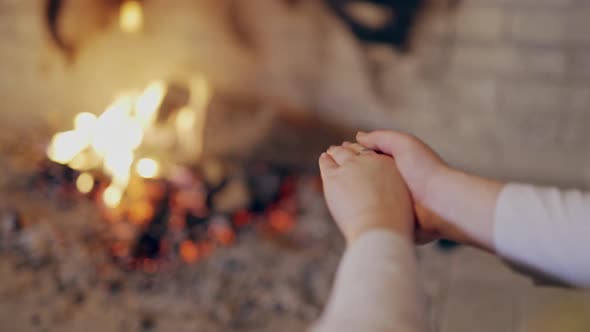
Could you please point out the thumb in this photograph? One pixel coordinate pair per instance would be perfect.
(386, 141)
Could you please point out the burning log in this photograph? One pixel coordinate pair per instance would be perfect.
(188, 216)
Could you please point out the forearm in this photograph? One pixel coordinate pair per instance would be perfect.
(465, 205)
(376, 287)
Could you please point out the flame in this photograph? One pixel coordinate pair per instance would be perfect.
(112, 196)
(147, 104)
(118, 165)
(116, 129)
(131, 16)
(85, 183)
(67, 145)
(113, 140)
(84, 122)
(147, 168)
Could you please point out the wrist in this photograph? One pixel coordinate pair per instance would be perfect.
(431, 188)
(403, 229)
(462, 207)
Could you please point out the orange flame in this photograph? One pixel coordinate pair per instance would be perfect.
(114, 140)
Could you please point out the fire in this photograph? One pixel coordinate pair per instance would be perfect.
(85, 183)
(146, 106)
(131, 16)
(114, 141)
(83, 122)
(112, 196)
(281, 221)
(148, 168)
(189, 251)
(66, 145)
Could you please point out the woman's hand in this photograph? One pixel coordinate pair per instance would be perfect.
(448, 202)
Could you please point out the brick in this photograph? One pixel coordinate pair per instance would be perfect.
(579, 24)
(580, 64)
(511, 61)
(578, 98)
(521, 3)
(542, 62)
(545, 27)
(577, 119)
(436, 24)
(479, 23)
(576, 128)
(533, 95)
(472, 92)
(540, 3)
(482, 59)
(531, 114)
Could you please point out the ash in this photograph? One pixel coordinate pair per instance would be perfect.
(57, 274)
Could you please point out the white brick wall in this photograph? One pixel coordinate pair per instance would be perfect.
(543, 27)
(479, 23)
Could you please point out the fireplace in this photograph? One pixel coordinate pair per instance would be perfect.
(172, 201)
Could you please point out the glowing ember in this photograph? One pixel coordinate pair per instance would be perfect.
(189, 251)
(85, 183)
(147, 168)
(225, 236)
(281, 221)
(131, 17)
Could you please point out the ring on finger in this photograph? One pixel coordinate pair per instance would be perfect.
(365, 150)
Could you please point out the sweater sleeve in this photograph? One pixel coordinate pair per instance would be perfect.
(376, 288)
(545, 230)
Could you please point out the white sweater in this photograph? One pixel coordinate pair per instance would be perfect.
(376, 286)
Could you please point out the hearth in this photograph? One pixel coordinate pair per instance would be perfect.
(216, 242)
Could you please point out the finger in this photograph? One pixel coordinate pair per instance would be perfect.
(352, 147)
(357, 148)
(327, 163)
(341, 154)
(390, 142)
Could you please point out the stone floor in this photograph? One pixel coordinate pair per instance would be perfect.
(473, 291)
